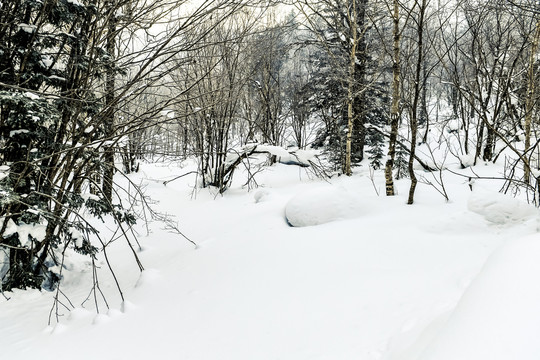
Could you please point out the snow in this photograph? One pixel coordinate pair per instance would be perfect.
(453, 125)
(37, 231)
(500, 208)
(57, 78)
(46, 61)
(322, 205)
(89, 196)
(27, 28)
(4, 171)
(31, 96)
(76, 236)
(467, 160)
(370, 278)
(167, 113)
(498, 317)
(123, 141)
(261, 195)
(11, 227)
(17, 132)
(286, 157)
(75, 2)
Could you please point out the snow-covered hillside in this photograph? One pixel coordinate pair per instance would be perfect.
(361, 276)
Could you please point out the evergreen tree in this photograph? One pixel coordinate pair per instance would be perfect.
(47, 105)
(329, 88)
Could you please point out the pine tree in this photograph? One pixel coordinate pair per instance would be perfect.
(47, 104)
(332, 94)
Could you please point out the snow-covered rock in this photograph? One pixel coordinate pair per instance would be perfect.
(322, 205)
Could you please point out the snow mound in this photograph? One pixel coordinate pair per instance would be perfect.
(322, 205)
(261, 195)
(498, 317)
(467, 160)
(500, 208)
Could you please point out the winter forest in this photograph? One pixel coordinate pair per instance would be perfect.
(266, 179)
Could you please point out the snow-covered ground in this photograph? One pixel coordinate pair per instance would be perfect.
(360, 276)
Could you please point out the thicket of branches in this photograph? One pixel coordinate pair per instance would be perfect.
(81, 83)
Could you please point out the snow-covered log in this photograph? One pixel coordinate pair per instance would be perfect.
(235, 157)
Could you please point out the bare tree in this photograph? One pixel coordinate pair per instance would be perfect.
(396, 96)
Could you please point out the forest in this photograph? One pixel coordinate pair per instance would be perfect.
(95, 92)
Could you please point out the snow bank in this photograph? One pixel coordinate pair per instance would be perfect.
(500, 208)
(498, 317)
(322, 205)
(467, 160)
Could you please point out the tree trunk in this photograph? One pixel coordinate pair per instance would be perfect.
(416, 101)
(350, 89)
(359, 105)
(394, 110)
(529, 105)
(108, 121)
(490, 144)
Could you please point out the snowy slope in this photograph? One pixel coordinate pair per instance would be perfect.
(498, 317)
(382, 282)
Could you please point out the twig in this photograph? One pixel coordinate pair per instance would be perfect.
(371, 177)
(178, 177)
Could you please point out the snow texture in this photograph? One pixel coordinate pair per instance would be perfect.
(57, 78)
(4, 171)
(499, 208)
(375, 279)
(322, 205)
(75, 2)
(31, 96)
(27, 28)
(498, 317)
(36, 231)
(17, 132)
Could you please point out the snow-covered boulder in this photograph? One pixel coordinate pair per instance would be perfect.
(322, 205)
(500, 208)
(498, 317)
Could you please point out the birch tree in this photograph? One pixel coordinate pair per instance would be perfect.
(396, 97)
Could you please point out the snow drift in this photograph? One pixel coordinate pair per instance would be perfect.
(500, 208)
(498, 317)
(322, 205)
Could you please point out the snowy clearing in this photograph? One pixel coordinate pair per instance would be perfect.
(371, 278)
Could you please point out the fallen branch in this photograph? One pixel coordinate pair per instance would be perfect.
(178, 177)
